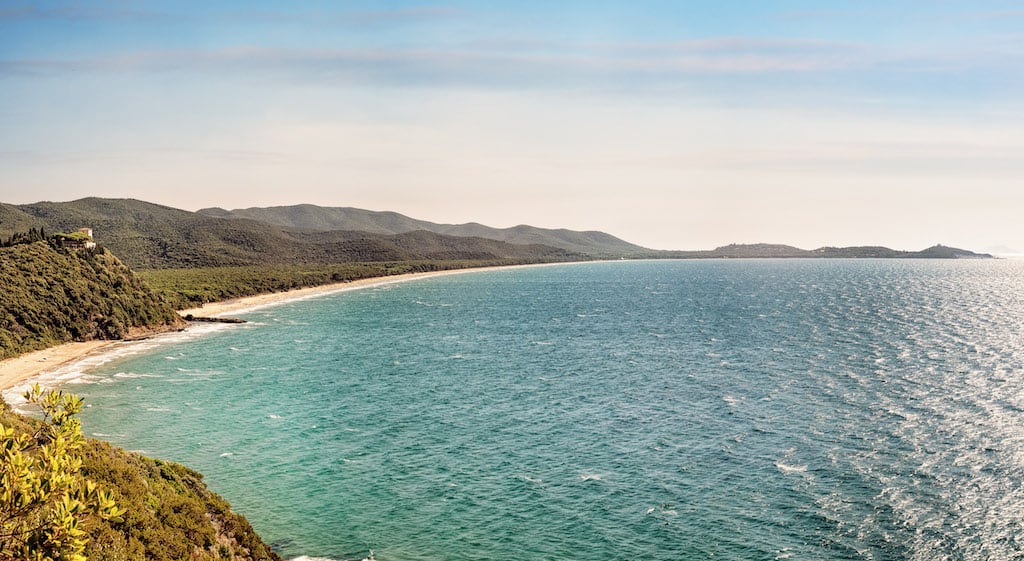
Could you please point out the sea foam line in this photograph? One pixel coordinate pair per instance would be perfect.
(77, 371)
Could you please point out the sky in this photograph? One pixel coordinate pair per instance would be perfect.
(671, 124)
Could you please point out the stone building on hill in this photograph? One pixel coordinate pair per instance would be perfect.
(82, 239)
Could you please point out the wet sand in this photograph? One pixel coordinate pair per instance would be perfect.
(18, 369)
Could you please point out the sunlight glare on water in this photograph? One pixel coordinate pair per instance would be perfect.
(829, 409)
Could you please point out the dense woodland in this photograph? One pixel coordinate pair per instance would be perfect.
(53, 295)
(189, 288)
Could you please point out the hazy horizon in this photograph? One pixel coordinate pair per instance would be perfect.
(672, 125)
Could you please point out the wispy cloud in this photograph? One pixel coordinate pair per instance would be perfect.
(720, 65)
(371, 17)
(508, 66)
(981, 15)
(118, 13)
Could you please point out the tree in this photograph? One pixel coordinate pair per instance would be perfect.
(45, 503)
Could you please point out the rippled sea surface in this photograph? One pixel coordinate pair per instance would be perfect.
(756, 410)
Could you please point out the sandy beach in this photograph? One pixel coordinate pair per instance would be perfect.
(15, 371)
(236, 305)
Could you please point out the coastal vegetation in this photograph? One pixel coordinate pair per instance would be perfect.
(53, 295)
(19, 238)
(188, 288)
(68, 497)
(46, 505)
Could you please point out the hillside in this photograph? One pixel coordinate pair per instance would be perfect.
(317, 218)
(52, 296)
(346, 246)
(150, 236)
(13, 220)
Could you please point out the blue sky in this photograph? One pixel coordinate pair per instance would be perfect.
(671, 124)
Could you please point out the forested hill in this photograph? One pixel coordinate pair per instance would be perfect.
(322, 219)
(150, 236)
(52, 296)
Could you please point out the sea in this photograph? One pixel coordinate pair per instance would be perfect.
(638, 410)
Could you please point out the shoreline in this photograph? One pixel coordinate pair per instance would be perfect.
(247, 303)
(17, 371)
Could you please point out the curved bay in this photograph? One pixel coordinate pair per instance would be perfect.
(832, 409)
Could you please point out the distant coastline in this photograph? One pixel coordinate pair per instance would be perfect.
(779, 251)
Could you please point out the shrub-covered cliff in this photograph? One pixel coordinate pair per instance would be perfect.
(164, 510)
(51, 295)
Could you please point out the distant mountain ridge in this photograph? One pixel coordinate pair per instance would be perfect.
(150, 236)
(322, 219)
(762, 250)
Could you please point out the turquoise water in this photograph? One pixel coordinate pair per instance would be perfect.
(748, 410)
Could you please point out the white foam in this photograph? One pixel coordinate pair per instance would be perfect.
(75, 372)
(275, 416)
(590, 477)
(136, 375)
(787, 468)
(227, 454)
(86, 379)
(783, 553)
(308, 558)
